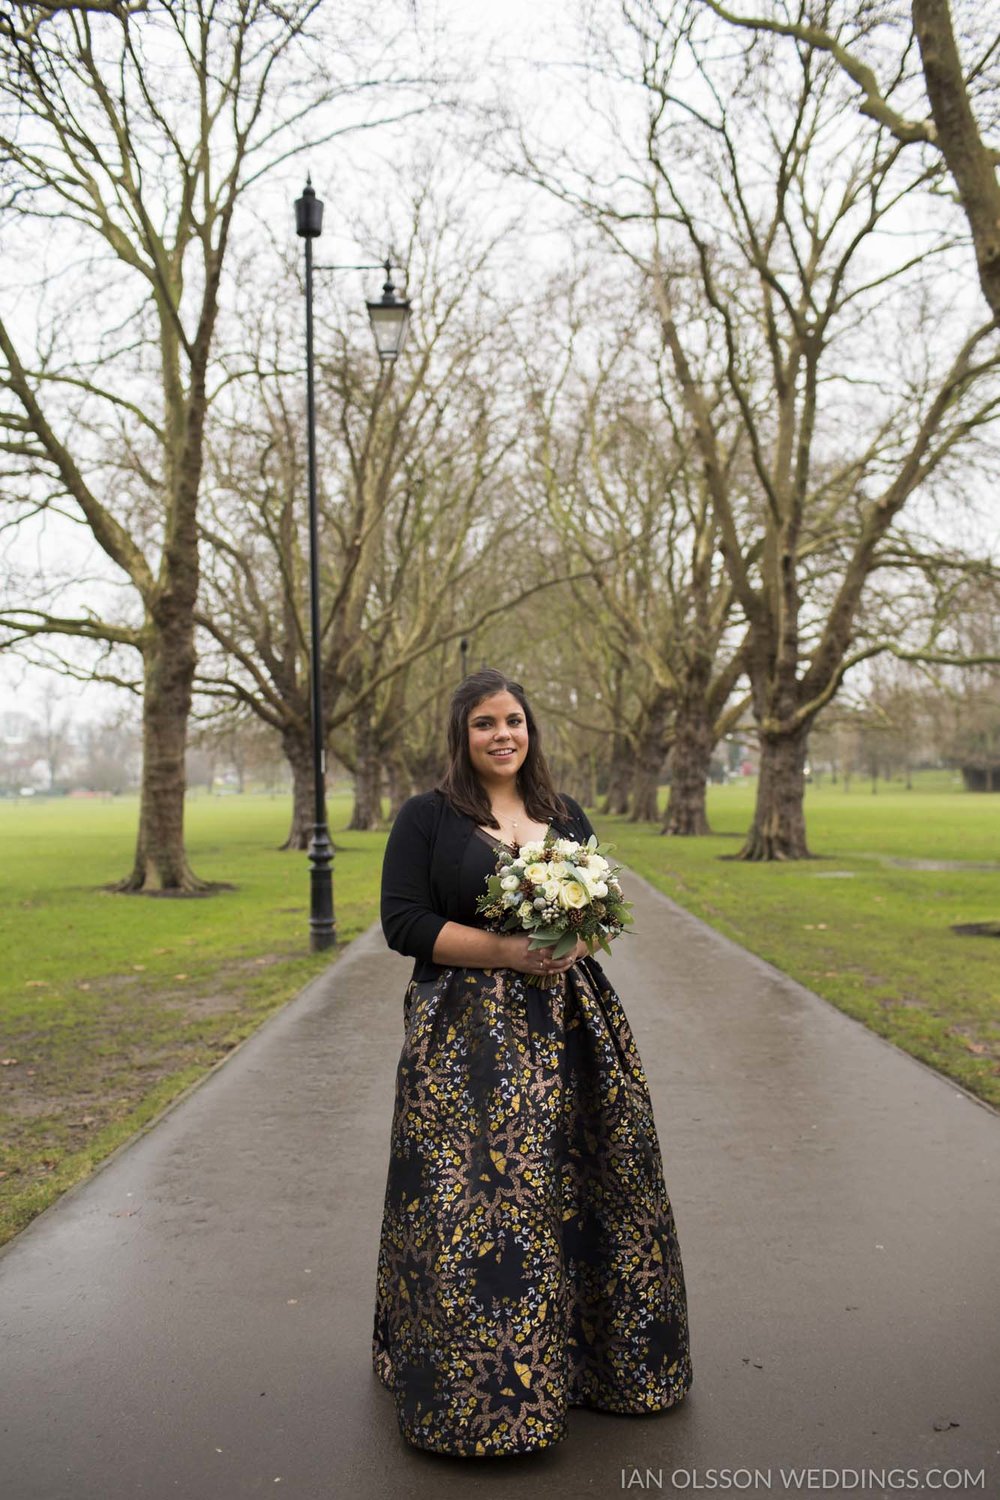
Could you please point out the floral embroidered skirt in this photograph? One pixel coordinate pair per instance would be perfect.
(528, 1259)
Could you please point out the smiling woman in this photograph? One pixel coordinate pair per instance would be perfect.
(528, 1260)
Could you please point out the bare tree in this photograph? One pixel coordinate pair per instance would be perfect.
(141, 134)
(417, 501)
(953, 88)
(619, 467)
(762, 263)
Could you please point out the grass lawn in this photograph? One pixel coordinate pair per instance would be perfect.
(112, 1005)
(871, 936)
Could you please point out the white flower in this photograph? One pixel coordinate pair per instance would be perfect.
(537, 874)
(510, 882)
(565, 846)
(591, 881)
(532, 850)
(572, 895)
(525, 911)
(552, 889)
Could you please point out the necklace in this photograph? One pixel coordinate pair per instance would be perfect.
(514, 841)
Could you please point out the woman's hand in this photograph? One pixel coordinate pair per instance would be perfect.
(538, 960)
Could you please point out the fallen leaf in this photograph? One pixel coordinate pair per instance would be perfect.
(9, 1062)
(36, 984)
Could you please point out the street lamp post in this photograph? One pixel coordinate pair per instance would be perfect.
(389, 319)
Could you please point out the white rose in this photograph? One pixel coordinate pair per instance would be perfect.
(572, 895)
(525, 910)
(537, 874)
(532, 850)
(565, 846)
(551, 889)
(510, 882)
(589, 879)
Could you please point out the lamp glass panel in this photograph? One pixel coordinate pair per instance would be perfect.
(389, 323)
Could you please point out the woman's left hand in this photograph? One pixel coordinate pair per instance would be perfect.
(568, 959)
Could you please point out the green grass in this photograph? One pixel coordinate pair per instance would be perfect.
(112, 1005)
(877, 944)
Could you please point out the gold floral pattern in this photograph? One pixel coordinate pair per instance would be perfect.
(528, 1259)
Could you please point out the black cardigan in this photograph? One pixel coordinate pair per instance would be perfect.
(420, 873)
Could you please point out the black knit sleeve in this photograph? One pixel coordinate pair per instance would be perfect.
(409, 922)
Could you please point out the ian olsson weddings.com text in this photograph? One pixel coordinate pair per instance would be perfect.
(869, 1482)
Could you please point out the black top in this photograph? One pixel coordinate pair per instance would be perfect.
(435, 865)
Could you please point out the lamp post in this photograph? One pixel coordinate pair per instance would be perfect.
(389, 320)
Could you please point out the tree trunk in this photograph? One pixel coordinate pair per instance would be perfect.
(689, 762)
(616, 798)
(400, 785)
(298, 752)
(779, 826)
(970, 161)
(367, 811)
(160, 860)
(649, 759)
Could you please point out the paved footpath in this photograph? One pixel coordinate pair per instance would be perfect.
(195, 1320)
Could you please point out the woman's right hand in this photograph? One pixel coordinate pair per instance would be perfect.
(518, 955)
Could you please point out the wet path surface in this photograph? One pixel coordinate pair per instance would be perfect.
(196, 1319)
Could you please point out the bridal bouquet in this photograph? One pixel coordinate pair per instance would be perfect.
(559, 891)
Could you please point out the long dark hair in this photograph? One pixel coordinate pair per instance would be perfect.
(460, 784)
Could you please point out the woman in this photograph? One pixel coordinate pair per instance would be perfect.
(528, 1259)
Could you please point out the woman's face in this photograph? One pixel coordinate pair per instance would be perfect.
(497, 724)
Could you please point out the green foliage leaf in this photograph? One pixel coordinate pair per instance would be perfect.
(565, 945)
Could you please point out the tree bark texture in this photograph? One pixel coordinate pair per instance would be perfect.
(616, 798)
(970, 162)
(690, 757)
(649, 760)
(297, 746)
(779, 825)
(160, 860)
(366, 814)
